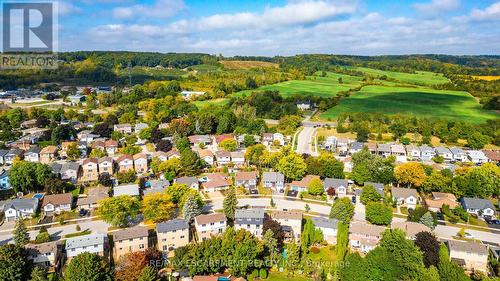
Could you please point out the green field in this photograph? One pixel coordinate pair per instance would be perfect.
(206, 103)
(423, 78)
(420, 102)
(327, 86)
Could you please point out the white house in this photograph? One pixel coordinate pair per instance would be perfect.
(328, 227)
(19, 208)
(445, 153)
(223, 157)
(339, 185)
(210, 225)
(291, 223)
(238, 158)
(427, 152)
(274, 180)
(128, 189)
(57, 203)
(32, 155)
(459, 154)
(252, 220)
(477, 156)
(187, 95)
(413, 152)
(478, 206)
(93, 243)
(407, 197)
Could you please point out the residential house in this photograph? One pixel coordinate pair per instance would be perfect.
(4, 180)
(478, 206)
(191, 182)
(90, 169)
(87, 136)
(220, 138)
(339, 185)
(252, 220)
(82, 146)
(130, 240)
(493, 156)
(126, 189)
(399, 152)
(209, 225)
(111, 147)
(156, 186)
(90, 201)
(57, 203)
(459, 154)
(215, 182)
(28, 124)
(246, 179)
(125, 163)
(329, 228)
(273, 180)
(141, 163)
(198, 140)
(98, 145)
(445, 153)
(238, 158)
(13, 154)
(65, 145)
(96, 243)
(32, 154)
(140, 126)
(174, 153)
(330, 143)
(223, 157)
(384, 150)
(304, 105)
(48, 154)
(160, 155)
(364, 237)
(472, 255)
(303, 184)
(356, 147)
(278, 139)
(19, 208)
(477, 156)
(413, 152)
(407, 197)
(267, 139)
(172, 234)
(123, 128)
(427, 152)
(106, 165)
(207, 156)
(241, 139)
(3, 152)
(76, 99)
(343, 146)
(438, 199)
(291, 223)
(372, 147)
(47, 255)
(187, 95)
(410, 228)
(70, 171)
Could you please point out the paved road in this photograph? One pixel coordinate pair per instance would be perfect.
(305, 141)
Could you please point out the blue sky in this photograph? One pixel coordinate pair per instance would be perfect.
(280, 27)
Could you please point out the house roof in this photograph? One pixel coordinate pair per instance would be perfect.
(206, 219)
(411, 147)
(457, 150)
(383, 147)
(129, 189)
(439, 199)
(249, 216)
(493, 155)
(221, 138)
(245, 176)
(159, 184)
(222, 153)
(442, 150)
(187, 180)
(305, 181)
(205, 153)
(111, 143)
(331, 182)
(34, 149)
(173, 152)
(171, 225)
(140, 156)
(199, 138)
(124, 157)
(476, 203)
(57, 199)
(366, 229)
(287, 215)
(97, 144)
(426, 149)
(216, 180)
(398, 192)
(85, 240)
(90, 160)
(324, 222)
(130, 233)
(237, 154)
(105, 159)
(273, 177)
(357, 145)
(23, 203)
(476, 154)
(94, 195)
(398, 148)
(411, 228)
(48, 247)
(468, 247)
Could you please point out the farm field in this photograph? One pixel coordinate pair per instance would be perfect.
(423, 78)
(487, 78)
(235, 64)
(316, 85)
(420, 102)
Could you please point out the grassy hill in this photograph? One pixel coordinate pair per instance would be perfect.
(418, 101)
(423, 78)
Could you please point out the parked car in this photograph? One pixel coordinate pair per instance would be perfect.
(353, 199)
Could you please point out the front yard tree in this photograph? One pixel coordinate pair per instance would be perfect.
(292, 166)
(411, 174)
(21, 236)
(293, 257)
(157, 207)
(342, 210)
(370, 194)
(428, 220)
(330, 167)
(378, 213)
(87, 267)
(191, 208)
(230, 203)
(276, 229)
(13, 263)
(316, 187)
(118, 211)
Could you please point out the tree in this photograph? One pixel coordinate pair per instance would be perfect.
(191, 208)
(310, 235)
(130, 266)
(148, 273)
(410, 174)
(97, 153)
(342, 247)
(429, 245)
(330, 167)
(182, 144)
(157, 207)
(478, 181)
(57, 186)
(42, 121)
(118, 211)
(438, 181)
(13, 263)
(164, 145)
(477, 140)
(248, 140)
(87, 267)
(342, 210)
(316, 187)
(428, 220)
(73, 152)
(369, 167)
(130, 149)
(63, 133)
(43, 236)
(103, 129)
(230, 203)
(292, 166)
(449, 270)
(21, 236)
(29, 176)
(127, 176)
(191, 163)
(170, 168)
(39, 274)
(229, 145)
(378, 213)
(293, 257)
(370, 194)
(271, 244)
(277, 231)
(105, 179)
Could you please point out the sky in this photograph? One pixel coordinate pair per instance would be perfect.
(280, 27)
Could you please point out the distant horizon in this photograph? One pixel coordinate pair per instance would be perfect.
(282, 27)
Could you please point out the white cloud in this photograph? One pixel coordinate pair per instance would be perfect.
(65, 8)
(436, 7)
(490, 13)
(160, 9)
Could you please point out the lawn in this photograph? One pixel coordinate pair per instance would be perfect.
(205, 103)
(418, 78)
(281, 276)
(316, 85)
(419, 102)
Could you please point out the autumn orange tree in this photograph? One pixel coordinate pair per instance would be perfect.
(130, 265)
(410, 174)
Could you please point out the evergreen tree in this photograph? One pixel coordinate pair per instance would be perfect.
(342, 247)
(230, 203)
(271, 244)
(39, 274)
(428, 220)
(148, 273)
(21, 236)
(13, 263)
(191, 208)
(292, 257)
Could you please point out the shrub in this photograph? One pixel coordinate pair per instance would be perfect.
(263, 273)
(78, 228)
(42, 237)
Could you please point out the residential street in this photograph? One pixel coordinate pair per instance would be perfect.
(305, 142)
